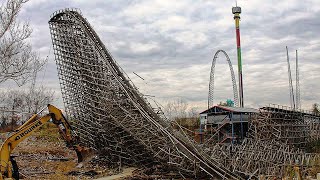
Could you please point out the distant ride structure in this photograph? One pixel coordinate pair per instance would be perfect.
(237, 11)
(211, 82)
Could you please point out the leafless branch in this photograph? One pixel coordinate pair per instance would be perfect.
(14, 102)
(17, 59)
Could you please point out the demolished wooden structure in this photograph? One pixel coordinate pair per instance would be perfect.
(116, 120)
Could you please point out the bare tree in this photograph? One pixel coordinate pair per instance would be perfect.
(193, 112)
(17, 59)
(176, 109)
(169, 111)
(38, 99)
(21, 102)
(315, 109)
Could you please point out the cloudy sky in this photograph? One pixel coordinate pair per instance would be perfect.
(171, 45)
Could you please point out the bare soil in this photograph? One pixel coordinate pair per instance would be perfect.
(45, 156)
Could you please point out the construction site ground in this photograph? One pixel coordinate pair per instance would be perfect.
(44, 155)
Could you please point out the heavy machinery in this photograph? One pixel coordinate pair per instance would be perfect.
(8, 166)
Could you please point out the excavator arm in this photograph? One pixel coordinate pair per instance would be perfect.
(67, 132)
(28, 128)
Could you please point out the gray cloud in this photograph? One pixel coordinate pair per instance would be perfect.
(171, 44)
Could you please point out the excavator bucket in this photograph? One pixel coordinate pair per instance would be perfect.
(84, 154)
(66, 130)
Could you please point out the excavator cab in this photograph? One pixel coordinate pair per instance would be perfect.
(8, 166)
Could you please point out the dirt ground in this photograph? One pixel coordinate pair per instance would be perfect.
(44, 155)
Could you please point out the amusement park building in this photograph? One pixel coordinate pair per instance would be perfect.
(226, 122)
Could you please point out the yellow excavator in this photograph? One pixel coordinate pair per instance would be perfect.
(8, 166)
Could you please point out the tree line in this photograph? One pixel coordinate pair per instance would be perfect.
(18, 63)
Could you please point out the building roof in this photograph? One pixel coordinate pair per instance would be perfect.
(219, 109)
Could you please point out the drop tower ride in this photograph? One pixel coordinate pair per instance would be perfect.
(237, 11)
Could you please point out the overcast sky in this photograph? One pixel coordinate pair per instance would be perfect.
(171, 45)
